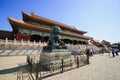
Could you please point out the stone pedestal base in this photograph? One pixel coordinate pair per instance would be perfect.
(49, 59)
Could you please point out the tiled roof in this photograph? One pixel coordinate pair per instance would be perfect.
(27, 17)
(15, 23)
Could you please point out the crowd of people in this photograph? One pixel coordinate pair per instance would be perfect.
(111, 50)
(90, 50)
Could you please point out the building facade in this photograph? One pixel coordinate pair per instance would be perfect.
(37, 28)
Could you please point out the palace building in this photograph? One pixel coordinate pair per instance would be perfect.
(37, 28)
(96, 42)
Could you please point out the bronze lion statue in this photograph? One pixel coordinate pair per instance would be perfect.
(54, 38)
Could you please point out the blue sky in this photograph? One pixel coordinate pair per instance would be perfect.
(100, 18)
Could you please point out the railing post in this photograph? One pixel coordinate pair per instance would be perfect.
(14, 41)
(62, 65)
(31, 66)
(37, 66)
(6, 40)
(40, 74)
(71, 64)
(88, 59)
(78, 62)
(34, 42)
(21, 42)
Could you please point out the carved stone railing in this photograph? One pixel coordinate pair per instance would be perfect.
(80, 49)
(13, 47)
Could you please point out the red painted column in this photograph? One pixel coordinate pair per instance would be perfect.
(29, 37)
(42, 39)
(18, 36)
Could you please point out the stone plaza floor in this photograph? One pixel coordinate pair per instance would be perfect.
(101, 67)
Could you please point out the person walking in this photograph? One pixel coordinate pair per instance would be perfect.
(116, 51)
(91, 51)
(113, 52)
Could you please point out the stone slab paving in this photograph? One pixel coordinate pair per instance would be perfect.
(101, 67)
(8, 66)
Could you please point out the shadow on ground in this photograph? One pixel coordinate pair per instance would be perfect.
(12, 70)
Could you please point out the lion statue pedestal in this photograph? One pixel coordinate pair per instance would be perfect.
(52, 59)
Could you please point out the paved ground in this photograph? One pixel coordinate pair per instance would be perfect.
(102, 67)
(9, 66)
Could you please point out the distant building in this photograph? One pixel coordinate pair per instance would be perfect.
(104, 42)
(6, 34)
(96, 42)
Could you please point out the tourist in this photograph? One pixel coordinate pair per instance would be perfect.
(91, 51)
(116, 51)
(113, 52)
(102, 51)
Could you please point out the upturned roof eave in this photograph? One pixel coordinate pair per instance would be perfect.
(26, 17)
(74, 35)
(26, 25)
(35, 27)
